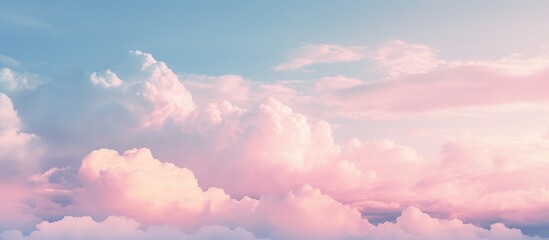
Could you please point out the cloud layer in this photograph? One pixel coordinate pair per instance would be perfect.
(239, 163)
(122, 185)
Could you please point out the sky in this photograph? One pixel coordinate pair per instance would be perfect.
(274, 120)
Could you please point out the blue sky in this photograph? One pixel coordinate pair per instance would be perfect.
(64, 41)
(249, 37)
(368, 110)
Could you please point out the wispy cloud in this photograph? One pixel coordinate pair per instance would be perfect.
(312, 54)
(9, 61)
(9, 18)
(14, 80)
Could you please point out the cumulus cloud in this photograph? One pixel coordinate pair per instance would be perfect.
(303, 214)
(19, 158)
(413, 224)
(106, 79)
(246, 93)
(312, 54)
(150, 90)
(263, 166)
(160, 88)
(267, 138)
(115, 227)
(123, 184)
(18, 149)
(418, 225)
(286, 149)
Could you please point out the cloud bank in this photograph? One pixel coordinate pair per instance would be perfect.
(239, 163)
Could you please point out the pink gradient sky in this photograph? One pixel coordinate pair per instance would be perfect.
(385, 136)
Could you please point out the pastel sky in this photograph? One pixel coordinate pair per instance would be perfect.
(274, 120)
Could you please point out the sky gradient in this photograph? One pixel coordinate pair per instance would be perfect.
(274, 120)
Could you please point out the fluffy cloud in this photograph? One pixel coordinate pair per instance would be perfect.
(268, 138)
(13, 80)
(296, 223)
(18, 150)
(499, 178)
(161, 88)
(412, 225)
(321, 53)
(418, 225)
(303, 214)
(106, 79)
(149, 89)
(270, 141)
(19, 154)
(273, 171)
(114, 184)
(114, 227)
(246, 93)
(123, 184)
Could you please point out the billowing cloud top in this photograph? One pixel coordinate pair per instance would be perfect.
(139, 157)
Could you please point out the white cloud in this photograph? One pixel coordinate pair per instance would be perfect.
(321, 53)
(9, 61)
(13, 80)
(106, 79)
(150, 90)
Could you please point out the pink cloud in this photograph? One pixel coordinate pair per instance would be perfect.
(267, 138)
(124, 184)
(245, 93)
(15, 213)
(295, 223)
(114, 184)
(149, 89)
(212, 89)
(275, 172)
(18, 149)
(115, 227)
(462, 87)
(307, 213)
(420, 81)
(285, 149)
(416, 223)
(321, 53)
(401, 58)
